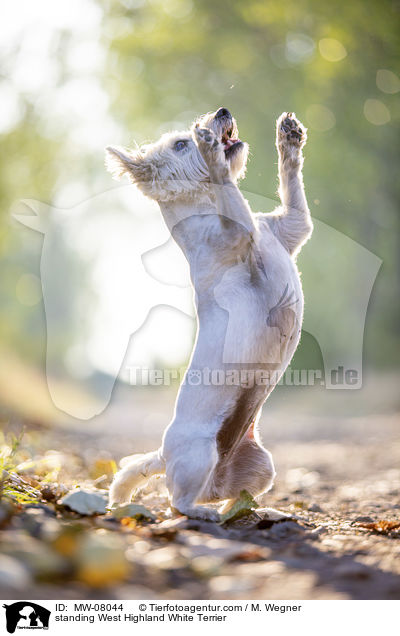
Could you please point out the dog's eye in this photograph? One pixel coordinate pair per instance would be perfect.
(180, 145)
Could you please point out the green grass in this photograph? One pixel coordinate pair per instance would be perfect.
(12, 487)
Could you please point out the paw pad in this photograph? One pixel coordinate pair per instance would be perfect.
(290, 130)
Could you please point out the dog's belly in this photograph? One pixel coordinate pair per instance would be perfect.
(221, 398)
(246, 327)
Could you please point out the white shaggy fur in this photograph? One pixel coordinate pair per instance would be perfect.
(249, 305)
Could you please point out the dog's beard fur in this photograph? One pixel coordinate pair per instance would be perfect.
(167, 169)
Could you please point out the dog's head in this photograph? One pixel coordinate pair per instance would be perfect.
(173, 167)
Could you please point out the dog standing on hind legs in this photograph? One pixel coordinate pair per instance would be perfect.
(249, 305)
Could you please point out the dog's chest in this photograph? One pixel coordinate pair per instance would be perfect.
(264, 313)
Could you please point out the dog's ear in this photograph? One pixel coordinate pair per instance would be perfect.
(120, 161)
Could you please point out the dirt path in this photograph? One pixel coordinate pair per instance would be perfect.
(335, 478)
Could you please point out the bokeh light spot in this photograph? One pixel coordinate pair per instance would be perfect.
(332, 50)
(178, 8)
(387, 81)
(299, 48)
(376, 112)
(320, 117)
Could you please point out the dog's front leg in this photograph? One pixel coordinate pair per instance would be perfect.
(231, 204)
(293, 226)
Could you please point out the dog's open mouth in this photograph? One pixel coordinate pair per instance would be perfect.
(230, 140)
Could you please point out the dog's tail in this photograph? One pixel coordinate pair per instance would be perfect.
(135, 472)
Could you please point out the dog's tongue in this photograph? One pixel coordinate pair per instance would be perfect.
(229, 142)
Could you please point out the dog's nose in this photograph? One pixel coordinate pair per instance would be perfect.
(223, 112)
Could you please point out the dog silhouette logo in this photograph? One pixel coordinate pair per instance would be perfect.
(26, 615)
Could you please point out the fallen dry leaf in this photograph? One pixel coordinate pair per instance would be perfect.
(241, 507)
(383, 527)
(133, 511)
(103, 467)
(101, 560)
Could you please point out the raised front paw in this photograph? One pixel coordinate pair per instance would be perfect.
(291, 136)
(212, 151)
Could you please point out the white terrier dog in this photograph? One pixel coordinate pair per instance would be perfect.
(249, 305)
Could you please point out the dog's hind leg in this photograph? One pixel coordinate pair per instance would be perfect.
(188, 472)
(250, 468)
(134, 474)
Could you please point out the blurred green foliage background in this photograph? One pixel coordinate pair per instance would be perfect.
(77, 77)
